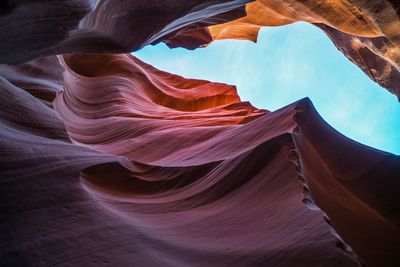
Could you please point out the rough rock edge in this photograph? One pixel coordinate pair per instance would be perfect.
(294, 157)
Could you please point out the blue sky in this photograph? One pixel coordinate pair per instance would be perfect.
(286, 64)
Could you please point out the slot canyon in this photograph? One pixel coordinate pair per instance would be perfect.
(106, 160)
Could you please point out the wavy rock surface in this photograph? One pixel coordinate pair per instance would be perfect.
(179, 172)
(367, 32)
(32, 29)
(42, 78)
(105, 160)
(210, 153)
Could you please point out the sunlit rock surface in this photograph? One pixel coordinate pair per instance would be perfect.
(105, 160)
(366, 32)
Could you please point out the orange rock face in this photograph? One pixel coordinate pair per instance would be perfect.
(366, 32)
(105, 160)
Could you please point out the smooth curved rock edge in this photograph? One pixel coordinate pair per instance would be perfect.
(231, 133)
(175, 171)
(367, 32)
(179, 172)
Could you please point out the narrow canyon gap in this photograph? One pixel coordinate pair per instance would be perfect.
(106, 160)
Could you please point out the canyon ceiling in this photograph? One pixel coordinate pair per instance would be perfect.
(105, 160)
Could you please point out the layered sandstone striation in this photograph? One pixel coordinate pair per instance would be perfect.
(184, 170)
(105, 160)
(32, 29)
(367, 32)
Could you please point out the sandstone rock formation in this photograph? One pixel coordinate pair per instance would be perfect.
(367, 32)
(31, 29)
(105, 160)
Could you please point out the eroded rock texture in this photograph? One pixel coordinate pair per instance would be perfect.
(367, 32)
(105, 160)
(30, 29)
(183, 170)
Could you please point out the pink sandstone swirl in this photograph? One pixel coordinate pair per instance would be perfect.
(366, 31)
(180, 172)
(210, 175)
(105, 160)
